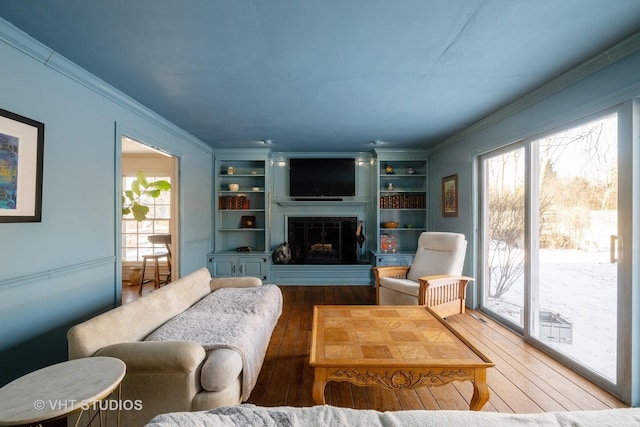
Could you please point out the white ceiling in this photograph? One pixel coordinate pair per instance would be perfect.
(325, 75)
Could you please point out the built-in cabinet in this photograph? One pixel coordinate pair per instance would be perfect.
(401, 191)
(249, 222)
(240, 246)
(255, 265)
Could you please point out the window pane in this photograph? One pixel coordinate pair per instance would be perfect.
(135, 234)
(577, 289)
(504, 235)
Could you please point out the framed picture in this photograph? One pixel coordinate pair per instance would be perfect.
(450, 195)
(21, 151)
(248, 221)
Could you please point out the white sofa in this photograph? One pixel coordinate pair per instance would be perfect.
(177, 371)
(250, 415)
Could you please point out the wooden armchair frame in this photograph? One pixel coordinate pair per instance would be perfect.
(397, 272)
(444, 294)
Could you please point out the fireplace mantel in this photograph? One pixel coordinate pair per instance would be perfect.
(320, 202)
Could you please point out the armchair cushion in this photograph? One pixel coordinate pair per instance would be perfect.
(431, 261)
(438, 253)
(404, 286)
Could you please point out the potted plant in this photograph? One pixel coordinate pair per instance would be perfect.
(132, 199)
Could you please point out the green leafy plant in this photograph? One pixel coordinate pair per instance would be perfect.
(132, 200)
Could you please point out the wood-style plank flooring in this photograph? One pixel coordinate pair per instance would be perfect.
(524, 379)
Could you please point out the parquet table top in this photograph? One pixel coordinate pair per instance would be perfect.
(392, 347)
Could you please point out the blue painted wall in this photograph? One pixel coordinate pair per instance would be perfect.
(63, 269)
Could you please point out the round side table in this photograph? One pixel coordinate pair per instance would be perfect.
(59, 390)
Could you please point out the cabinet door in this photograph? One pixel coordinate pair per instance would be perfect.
(222, 266)
(252, 266)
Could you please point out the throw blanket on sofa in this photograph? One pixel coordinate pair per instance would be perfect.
(250, 415)
(241, 319)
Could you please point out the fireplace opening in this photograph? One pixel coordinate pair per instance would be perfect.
(323, 240)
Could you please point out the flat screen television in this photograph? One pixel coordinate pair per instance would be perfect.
(325, 177)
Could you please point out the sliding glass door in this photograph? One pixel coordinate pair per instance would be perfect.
(575, 281)
(503, 226)
(549, 227)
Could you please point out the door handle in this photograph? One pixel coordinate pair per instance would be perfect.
(240, 269)
(233, 269)
(615, 249)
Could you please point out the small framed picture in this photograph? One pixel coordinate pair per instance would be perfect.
(248, 221)
(450, 195)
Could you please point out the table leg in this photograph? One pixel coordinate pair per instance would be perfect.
(319, 382)
(480, 390)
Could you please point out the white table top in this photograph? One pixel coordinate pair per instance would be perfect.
(59, 390)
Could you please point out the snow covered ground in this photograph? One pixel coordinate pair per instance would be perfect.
(580, 286)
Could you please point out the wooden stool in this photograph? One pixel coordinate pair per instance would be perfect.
(156, 270)
(158, 239)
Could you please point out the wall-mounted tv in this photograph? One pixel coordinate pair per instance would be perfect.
(322, 177)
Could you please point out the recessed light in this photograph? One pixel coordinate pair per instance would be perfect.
(376, 142)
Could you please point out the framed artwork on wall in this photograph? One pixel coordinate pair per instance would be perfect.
(21, 162)
(450, 195)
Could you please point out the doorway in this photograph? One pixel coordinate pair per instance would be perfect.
(161, 218)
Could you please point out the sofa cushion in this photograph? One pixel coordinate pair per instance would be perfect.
(135, 320)
(327, 415)
(221, 368)
(236, 318)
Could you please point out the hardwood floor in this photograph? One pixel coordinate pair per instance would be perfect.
(130, 293)
(524, 379)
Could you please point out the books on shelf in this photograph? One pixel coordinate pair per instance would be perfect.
(239, 202)
(403, 201)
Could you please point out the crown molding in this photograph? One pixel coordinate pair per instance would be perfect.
(18, 39)
(617, 52)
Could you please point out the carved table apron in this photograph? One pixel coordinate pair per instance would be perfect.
(395, 347)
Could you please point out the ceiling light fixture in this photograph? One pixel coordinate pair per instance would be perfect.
(267, 141)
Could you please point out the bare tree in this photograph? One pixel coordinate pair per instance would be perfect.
(564, 202)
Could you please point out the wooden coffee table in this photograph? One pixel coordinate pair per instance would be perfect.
(395, 347)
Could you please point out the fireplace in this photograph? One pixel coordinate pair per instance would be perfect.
(323, 240)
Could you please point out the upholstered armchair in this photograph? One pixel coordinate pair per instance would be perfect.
(434, 278)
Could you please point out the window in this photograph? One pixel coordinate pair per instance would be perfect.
(549, 221)
(135, 235)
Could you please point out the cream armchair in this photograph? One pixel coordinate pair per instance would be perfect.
(434, 277)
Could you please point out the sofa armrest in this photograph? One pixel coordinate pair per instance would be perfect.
(148, 356)
(234, 282)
